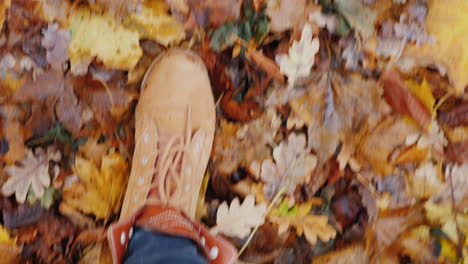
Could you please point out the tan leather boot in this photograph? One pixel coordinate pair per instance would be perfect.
(175, 125)
(174, 130)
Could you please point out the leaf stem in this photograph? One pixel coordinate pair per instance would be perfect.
(273, 202)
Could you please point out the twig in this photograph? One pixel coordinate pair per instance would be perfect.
(273, 202)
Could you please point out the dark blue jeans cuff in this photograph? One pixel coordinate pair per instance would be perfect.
(150, 247)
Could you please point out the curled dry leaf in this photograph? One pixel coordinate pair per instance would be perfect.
(300, 59)
(91, 35)
(237, 220)
(293, 164)
(98, 191)
(236, 145)
(33, 172)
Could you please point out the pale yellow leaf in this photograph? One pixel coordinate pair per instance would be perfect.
(313, 227)
(237, 220)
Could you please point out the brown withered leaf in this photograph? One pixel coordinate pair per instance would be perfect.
(457, 116)
(388, 226)
(236, 145)
(354, 253)
(13, 132)
(398, 95)
(108, 99)
(457, 152)
(377, 145)
(213, 12)
(53, 235)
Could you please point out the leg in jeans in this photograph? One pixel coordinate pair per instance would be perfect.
(150, 247)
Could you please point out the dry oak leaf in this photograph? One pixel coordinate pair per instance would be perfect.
(446, 21)
(312, 226)
(98, 191)
(154, 22)
(300, 59)
(101, 36)
(237, 220)
(33, 171)
(293, 165)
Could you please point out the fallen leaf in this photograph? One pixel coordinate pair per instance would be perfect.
(33, 172)
(399, 96)
(12, 129)
(444, 21)
(154, 22)
(293, 165)
(456, 183)
(98, 191)
(214, 13)
(56, 42)
(388, 226)
(313, 227)
(284, 14)
(457, 152)
(237, 220)
(457, 116)
(376, 147)
(426, 181)
(91, 34)
(236, 145)
(54, 10)
(118, 8)
(417, 244)
(354, 253)
(265, 63)
(93, 150)
(423, 92)
(3, 9)
(300, 59)
(359, 16)
(412, 154)
(5, 238)
(443, 216)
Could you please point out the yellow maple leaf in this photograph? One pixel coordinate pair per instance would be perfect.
(99, 190)
(5, 237)
(101, 36)
(423, 92)
(155, 23)
(447, 21)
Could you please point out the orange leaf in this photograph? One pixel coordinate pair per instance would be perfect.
(413, 154)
